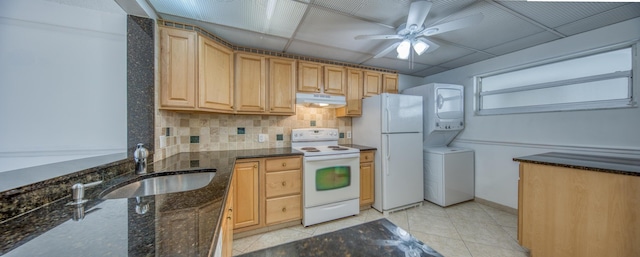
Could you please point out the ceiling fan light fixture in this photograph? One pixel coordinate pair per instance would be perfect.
(419, 46)
(403, 49)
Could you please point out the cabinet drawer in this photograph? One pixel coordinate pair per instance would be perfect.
(283, 209)
(283, 164)
(366, 156)
(283, 183)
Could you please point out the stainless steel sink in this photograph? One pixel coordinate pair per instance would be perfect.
(162, 185)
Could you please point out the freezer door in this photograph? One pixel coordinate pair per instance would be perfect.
(401, 113)
(402, 175)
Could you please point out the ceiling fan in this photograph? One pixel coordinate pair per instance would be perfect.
(413, 33)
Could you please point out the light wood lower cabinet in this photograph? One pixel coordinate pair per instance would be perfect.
(246, 192)
(367, 170)
(185, 232)
(270, 195)
(227, 223)
(572, 212)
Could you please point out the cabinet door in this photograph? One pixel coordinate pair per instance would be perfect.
(282, 89)
(227, 224)
(366, 178)
(390, 83)
(334, 80)
(250, 86)
(354, 95)
(372, 83)
(245, 206)
(178, 69)
(283, 209)
(215, 76)
(309, 77)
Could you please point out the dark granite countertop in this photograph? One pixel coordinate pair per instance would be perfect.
(175, 224)
(361, 147)
(609, 164)
(375, 238)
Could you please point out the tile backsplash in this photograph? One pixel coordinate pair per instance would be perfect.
(175, 131)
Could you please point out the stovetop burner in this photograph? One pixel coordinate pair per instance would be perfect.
(339, 148)
(333, 146)
(309, 148)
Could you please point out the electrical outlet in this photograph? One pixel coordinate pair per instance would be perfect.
(348, 134)
(262, 138)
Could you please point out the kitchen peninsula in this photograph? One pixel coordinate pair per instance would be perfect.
(579, 205)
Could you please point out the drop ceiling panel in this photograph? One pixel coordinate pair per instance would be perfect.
(626, 12)
(235, 36)
(275, 17)
(392, 13)
(554, 14)
(444, 53)
(348, 7)
(328, 28)
(401, 66)
(466, 60)
(445, 8)
(324, 52)
(429, 71)
(522, 43)
(485, 34)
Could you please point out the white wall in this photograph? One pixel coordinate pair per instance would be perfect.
(62, 81)
(497, 139)
(407, 81)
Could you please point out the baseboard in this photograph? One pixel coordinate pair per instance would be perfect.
(497, 206)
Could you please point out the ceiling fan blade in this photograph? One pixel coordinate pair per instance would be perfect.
(453, 25)
(387, 50)
(417, 13)
(378, 37)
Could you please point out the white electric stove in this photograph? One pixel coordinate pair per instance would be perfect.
(331, 175)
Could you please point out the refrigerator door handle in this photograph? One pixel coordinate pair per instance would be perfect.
(388, 120)
(388, 156)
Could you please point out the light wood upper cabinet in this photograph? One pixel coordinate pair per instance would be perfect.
(335, 81)
(196, 72)
(215, 76)
(390, 83)
(282, 86)
(250, 83)
(354, 94)
(178, 69)
(372, 83)
(309, 77)
(246, 211)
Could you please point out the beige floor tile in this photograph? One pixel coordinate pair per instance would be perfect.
(502, 218)
(480, 250)
(513, 232)
(428, 208)
(399, 219)
(446, 246)
(277, 237)
(469, 211)
(483, 233)
(236, 252)
(243, 243)
(435, 225)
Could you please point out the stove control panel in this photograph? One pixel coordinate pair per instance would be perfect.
(314, 134)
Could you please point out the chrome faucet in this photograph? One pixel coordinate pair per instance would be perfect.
(78, 192)
(140, 157)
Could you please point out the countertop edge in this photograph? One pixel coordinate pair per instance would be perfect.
(598, 163)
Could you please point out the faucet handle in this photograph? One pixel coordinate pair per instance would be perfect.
(78, 191)
(141, 153)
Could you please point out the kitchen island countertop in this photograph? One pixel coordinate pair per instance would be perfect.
(609, 164)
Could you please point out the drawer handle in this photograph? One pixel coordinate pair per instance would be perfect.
(284, 183)
(284, 164)
(284, 209)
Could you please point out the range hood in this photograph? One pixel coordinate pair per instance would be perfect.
(320, 100)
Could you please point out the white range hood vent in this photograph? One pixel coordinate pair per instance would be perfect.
(320, 100)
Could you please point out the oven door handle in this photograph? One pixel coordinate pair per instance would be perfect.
(331, 157)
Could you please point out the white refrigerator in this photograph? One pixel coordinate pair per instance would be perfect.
(392, 124)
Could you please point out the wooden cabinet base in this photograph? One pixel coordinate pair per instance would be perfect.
(571, 212)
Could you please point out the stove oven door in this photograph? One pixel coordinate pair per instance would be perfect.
(331, 178)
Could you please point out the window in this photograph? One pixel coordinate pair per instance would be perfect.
(599, 80)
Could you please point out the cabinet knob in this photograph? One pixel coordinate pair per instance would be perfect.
(255, 165)
(231, 107)
(230, 210)
(317, 89)
(284, 183)
(284, 164)
(284, 209)
(229, 218)
(366, 157)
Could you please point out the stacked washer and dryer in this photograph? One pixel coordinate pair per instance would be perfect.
(448, 171)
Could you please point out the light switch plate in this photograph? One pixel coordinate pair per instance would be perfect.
(262, 138)
(348, 134)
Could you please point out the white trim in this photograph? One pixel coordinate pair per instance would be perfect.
(581, 148)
